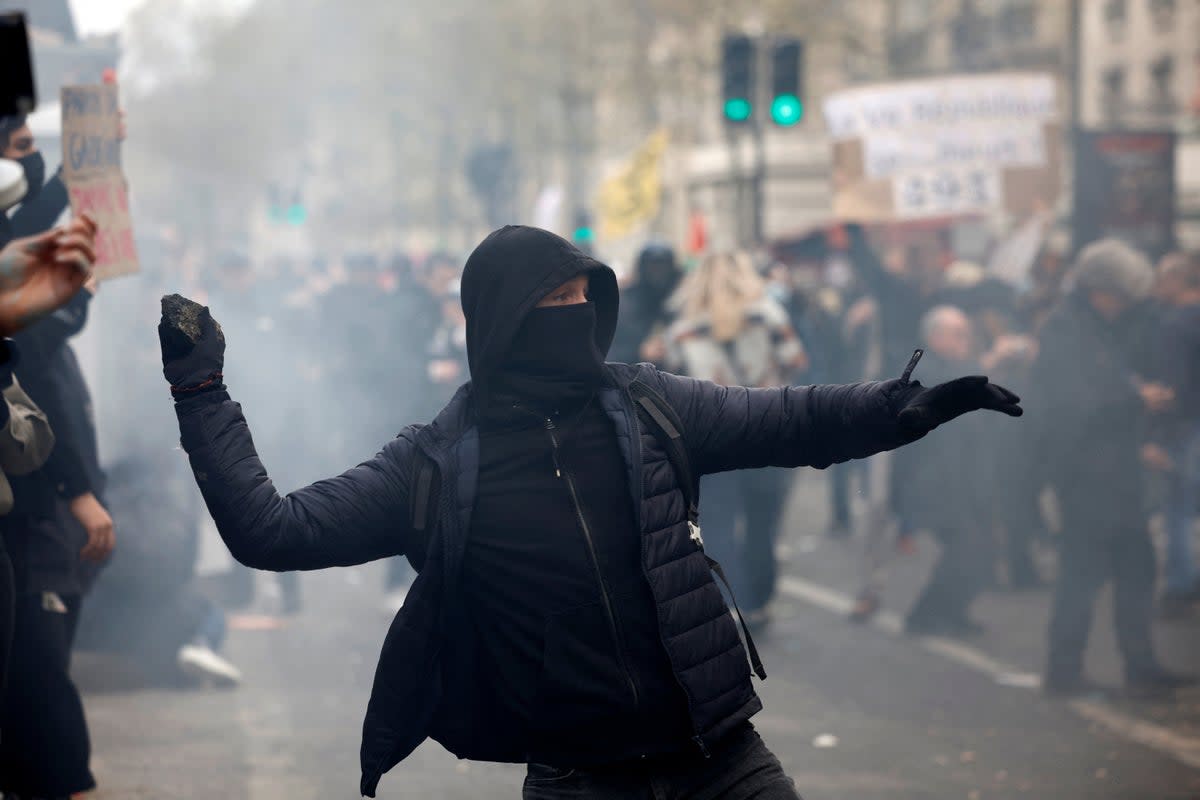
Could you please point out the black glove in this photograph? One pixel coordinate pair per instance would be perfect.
(193, 346)
(920, 410)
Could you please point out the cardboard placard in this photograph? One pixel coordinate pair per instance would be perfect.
(1125, 187)
(944, 147)
(92, 171)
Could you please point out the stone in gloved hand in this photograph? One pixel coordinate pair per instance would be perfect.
(193, 345)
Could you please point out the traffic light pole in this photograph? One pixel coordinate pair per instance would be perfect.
(759, 183)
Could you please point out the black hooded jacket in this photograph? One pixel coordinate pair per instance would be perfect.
(551, 571)
(433, 676)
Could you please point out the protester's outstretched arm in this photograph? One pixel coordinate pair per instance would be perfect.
(359, 516)
(732, 427)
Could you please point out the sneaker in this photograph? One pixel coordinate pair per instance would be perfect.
(926, 626)
(865, 607)
(394, 600)
(964, 627)
(1073, 687)
(1158, 682)
(1172, 606)
(839, 530)
(201, 662)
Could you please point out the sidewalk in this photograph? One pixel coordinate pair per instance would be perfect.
(1015, 621)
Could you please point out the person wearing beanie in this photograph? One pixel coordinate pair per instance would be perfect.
(1093, 413)
(565, 614)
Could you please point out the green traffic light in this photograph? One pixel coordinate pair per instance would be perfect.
(786, 110)
(296, 214)
(737, 109)
(584, 234)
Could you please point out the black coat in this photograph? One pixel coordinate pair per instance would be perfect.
(426, 684)
(944, 483)
(1086, 408)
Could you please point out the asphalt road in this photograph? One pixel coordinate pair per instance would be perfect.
(906, 718)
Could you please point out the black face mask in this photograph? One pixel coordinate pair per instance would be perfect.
(553, 363)
(35, 174)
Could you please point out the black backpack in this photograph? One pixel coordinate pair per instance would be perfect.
(668, 429)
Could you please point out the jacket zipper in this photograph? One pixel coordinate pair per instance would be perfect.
(587, 535)
(636, 440)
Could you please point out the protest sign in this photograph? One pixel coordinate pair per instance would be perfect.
(92, 171)
(1125, 187)
(945, 147)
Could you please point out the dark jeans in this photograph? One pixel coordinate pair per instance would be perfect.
(740, 768)
(957, 578)
(755, 497)
(1095, 549)
(44, 744)
(8, 601)
(840, 476)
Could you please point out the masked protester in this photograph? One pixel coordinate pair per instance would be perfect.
(56, 518)
(1094, 415)
(644, 313)
(44, 201)
(564, 614)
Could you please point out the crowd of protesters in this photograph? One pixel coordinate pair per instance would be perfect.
(1105, 347)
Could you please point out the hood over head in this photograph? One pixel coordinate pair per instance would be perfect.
(505, 278)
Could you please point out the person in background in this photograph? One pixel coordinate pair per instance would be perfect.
(44, 201)
(1176, 449)
(644, 312)
(730, 331)
(1094, 410)
(947, 493)
(33, 283)
(58, 529)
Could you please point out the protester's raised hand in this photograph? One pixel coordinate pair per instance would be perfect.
(920, 409)
(39, 274)
(193, 345)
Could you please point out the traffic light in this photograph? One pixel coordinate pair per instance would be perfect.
(787, 82)
(284, 209)
(584, 236)
(296, 214)
(737, 78)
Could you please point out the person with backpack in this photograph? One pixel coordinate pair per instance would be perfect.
(564, 614)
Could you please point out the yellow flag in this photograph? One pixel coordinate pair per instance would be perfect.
(632, 195)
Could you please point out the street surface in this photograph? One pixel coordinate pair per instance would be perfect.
(853, 712)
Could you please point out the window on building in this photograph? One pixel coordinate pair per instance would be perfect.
(1112, 93)
(1017, 20)
(1162, 79)
(913, 15)
(1116, 14)
(1162, 13)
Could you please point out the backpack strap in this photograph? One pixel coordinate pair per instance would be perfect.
(668, 429)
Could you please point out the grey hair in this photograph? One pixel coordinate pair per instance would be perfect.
(1110, 265)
